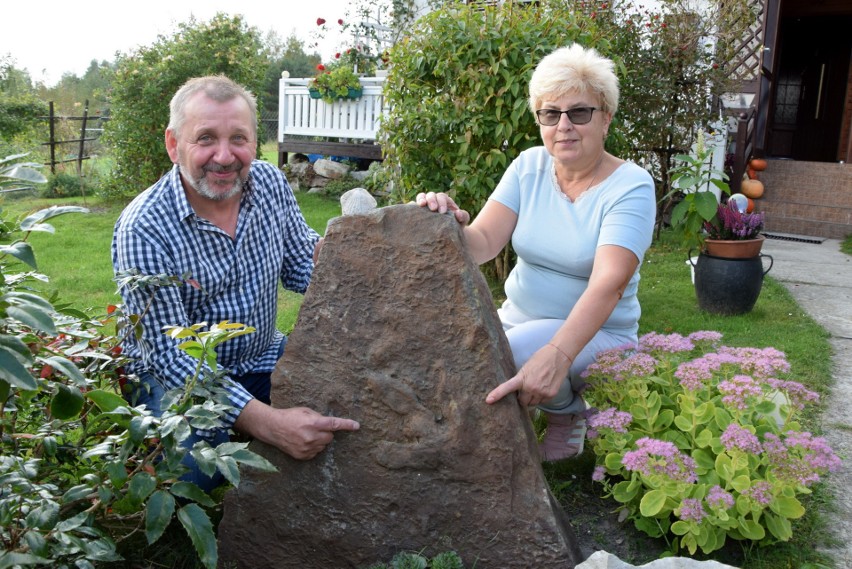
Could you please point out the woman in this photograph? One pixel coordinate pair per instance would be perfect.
(580, 221)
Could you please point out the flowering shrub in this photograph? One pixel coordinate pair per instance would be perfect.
(731, 223)
(366, 33)
(701, 441)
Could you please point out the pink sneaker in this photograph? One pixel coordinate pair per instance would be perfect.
(564, 437)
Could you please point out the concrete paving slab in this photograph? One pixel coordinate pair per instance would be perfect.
(819, 277)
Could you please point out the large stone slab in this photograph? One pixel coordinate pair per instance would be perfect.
(398, 331)
(604, 560)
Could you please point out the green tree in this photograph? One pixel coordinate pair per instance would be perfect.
(457, 91)
(289, 55)
(71, 93)
(457, 87)
(20, 109)
(144, 82)
(458, 98)
(676, 68)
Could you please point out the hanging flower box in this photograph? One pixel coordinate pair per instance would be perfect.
(336, 83)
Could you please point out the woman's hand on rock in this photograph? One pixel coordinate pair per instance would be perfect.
(442, 203)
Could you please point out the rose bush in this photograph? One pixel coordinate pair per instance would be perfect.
(701, 442)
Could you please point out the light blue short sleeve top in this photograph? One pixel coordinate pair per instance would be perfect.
(556, 239)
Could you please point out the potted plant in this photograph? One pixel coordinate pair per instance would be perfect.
(339, 82)
(728, 273)
(733, 233)
(725, 283)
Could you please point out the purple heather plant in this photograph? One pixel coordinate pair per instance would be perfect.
(701, 441)
(732, 224)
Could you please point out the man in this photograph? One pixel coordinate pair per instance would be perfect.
(232, 224)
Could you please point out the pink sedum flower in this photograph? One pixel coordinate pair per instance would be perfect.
(691, 510)
(719, 499)
(611, 418)
(662, 458)
(739, 438)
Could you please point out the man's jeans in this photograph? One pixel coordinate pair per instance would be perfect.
(258, 384)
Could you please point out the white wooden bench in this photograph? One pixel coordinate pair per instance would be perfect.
(342, 128)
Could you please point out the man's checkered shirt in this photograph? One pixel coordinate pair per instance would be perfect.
(237, 279)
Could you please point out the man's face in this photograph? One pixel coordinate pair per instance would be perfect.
(215, 146)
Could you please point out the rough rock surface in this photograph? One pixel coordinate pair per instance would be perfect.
(330, 169)
(398, 331)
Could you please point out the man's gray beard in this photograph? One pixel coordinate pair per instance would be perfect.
(203, 188)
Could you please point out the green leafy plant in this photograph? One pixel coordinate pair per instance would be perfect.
(21, 125)
(692, 178)
(15, 173)
(700, 442)
(334, 82)
(62, 185)
(679, 57)
(82, 470)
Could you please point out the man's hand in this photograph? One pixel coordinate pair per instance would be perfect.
(300, 432)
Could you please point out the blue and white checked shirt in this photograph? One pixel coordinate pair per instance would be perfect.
(159, 233)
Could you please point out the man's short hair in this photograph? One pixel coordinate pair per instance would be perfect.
(216, 87)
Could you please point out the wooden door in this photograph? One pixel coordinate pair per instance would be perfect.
(810, 88)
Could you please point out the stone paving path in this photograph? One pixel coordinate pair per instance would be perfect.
(819, 277)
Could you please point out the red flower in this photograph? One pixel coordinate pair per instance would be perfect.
(320, 21)
(337, 55)
(340, 21)
(321, 67)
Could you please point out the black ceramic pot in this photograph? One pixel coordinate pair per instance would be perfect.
(729, 286)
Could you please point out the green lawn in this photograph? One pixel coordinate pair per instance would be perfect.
(77, 257)
(77, 260)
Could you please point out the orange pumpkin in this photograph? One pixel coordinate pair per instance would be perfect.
(750, 207)
(752, 174)
(758, 164)
(752, 189)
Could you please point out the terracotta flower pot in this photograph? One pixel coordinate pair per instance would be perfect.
(734, 249)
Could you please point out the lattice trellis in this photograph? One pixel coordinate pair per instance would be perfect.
(746, 65)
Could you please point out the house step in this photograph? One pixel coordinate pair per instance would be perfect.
(807, 198)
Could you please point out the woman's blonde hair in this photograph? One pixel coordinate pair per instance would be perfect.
(574, 69)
